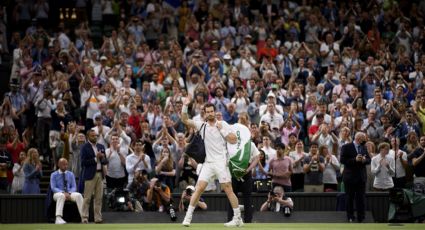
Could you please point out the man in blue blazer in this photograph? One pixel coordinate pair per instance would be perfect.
(93, 160)
(63, 186)
(355, 157)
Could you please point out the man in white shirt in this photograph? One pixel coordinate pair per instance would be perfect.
(137, 161)
(115, 176)
(216, 154)
(274, 119)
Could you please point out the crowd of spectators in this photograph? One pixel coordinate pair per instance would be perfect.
(305, 74)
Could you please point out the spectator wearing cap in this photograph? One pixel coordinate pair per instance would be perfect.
(18, 104)
(271, 98)
(101, 72)
(100, 129)
(247, 39)
(227, 65)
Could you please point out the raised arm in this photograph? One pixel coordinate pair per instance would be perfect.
(184, 116)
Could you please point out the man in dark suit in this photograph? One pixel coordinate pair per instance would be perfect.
(355, 157)
(93, 160)
(269, 11)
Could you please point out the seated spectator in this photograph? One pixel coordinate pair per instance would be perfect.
(18, 175)
(158, 196)
(314, 164)
(278, 202)
(383, 166)
(33, 172)
(185, 200)
(64, 188)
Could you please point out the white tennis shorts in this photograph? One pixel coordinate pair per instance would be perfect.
(211, 171)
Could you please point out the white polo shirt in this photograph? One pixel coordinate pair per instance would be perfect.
(215, 145)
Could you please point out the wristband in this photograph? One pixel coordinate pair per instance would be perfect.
(184, 109)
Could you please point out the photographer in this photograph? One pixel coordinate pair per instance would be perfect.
(185, 200)
(138, 191)
(158, 196)
(277, 201)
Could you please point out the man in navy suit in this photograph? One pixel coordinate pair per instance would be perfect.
(355, 157)
(93, 160)
(62, 183)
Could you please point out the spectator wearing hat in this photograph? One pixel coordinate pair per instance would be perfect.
(271, 98)
(101, 72)
(100, 129)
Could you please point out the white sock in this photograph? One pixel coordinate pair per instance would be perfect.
(190, 210)
(236, 212)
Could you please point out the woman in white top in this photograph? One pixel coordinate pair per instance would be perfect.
(297, 157)
(383, 167)
(400, 158)
(18, 174)
(332, 166)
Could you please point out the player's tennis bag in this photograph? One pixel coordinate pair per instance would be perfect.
(239, 153)
(196, 146)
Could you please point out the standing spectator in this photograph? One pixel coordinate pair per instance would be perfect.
(331, 170)
(383, 166)
(115, 176)
(260, 172)
(33, 173)
(137, 161)
(18, 174)
(419, 164)
(165, 168)
(354, 156)
(64, 188)
(6, 165)
(92, 161)
(297, 157)
(314, 165)
(401, 163)
(44, 106)
(268, 149)
(281, 170)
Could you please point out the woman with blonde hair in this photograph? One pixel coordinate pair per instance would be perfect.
(165, 168)
(32, 172)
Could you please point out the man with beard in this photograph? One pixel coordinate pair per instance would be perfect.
(355, 157)
(219, 132)
(92, 161)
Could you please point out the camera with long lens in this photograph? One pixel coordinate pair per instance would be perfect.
(172, 213)
(189, 192)
(117, 199)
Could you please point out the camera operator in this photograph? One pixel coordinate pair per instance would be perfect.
(185, 200)
(277, 201)
(138, 190)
